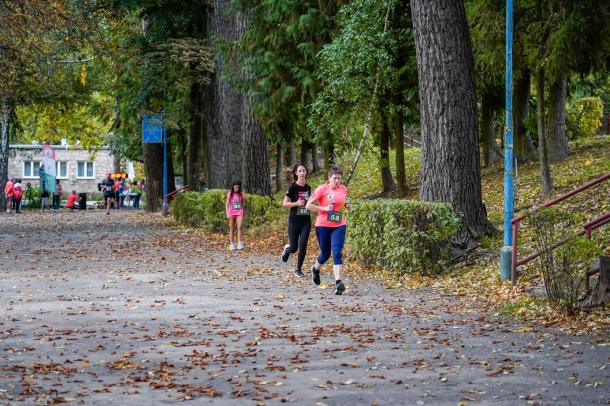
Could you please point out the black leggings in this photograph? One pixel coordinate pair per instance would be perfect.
(298, 235)
(56, 202)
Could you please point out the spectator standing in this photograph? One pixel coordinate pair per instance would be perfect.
(8, 193)
(135, 190)
(44, 199)
(59, 191)
(125, 191)
(17, 195)
(117, 193)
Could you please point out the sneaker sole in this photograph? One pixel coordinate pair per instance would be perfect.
(284, 254)
(313, 278)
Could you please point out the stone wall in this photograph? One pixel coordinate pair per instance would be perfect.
(102, 164)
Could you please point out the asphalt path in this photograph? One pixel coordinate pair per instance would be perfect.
(128, 309)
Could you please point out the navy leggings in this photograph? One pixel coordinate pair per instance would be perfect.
(331, 239)
(298, 235)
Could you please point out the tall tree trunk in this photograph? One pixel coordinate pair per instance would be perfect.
(293, 151)
(384, 154)
(153, 169)
(329, 153)
(524, 147)
(279, 167)
(557, 139)
(182, 153)
(305, 150)
(399, 136)
(236, 144)
(196, 153)
(255, 153)
(315, 158)
(116, 163)
(450, 169)
(491, 150)
(171, 174)
(7, 111)
(545, 170)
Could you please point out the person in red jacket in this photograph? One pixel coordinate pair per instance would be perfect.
(17, 195)
(8, 193)
(72, 198)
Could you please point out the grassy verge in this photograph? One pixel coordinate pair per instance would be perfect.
(477, 279)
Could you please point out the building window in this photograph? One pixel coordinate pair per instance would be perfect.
(62, 170)
(84, 169)
(31, 169)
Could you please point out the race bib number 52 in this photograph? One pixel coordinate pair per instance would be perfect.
(334, 216)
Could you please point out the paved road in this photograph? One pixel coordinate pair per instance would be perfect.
(110, 310)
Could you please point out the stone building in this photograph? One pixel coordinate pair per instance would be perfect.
(77, 168)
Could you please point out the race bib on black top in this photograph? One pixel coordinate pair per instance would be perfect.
(302, 211)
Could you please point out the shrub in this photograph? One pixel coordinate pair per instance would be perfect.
(401, 235)
(207, 209)
(584, 117)
(563, 268)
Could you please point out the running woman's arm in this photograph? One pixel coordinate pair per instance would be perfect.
(315, 208)
(287, 203)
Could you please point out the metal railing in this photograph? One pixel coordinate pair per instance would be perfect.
(165, 205)
(587, 228)
(183, 189)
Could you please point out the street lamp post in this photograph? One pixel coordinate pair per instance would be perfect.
(506, 251)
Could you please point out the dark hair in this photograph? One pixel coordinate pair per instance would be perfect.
(334, 170)
(236, 183)
(290, 173)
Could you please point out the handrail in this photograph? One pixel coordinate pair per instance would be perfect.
(588, 227)
(565, 196)
(183, 189)
(596, 223)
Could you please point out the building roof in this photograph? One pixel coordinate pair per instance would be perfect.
(64, 147)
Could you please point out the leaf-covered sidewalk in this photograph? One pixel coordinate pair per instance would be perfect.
(121, 309)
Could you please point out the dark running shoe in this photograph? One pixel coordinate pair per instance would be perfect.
(339, 288)
(286, 253)
(315, 275)
(298, 273)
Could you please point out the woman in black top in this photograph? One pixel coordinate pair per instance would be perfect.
(299, 221)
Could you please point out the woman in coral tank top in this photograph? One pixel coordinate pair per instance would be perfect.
(329, 200)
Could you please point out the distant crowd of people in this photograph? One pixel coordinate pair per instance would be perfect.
(117, 193)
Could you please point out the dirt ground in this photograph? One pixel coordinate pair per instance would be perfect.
(125, 308)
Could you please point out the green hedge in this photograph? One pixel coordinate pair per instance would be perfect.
(401, 235)
(207, 209)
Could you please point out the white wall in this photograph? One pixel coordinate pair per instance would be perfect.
(102, 164)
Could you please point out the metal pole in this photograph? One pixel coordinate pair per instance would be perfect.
(505, 253)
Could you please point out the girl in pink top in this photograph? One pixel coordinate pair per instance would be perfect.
(331, 199)
(235, 213)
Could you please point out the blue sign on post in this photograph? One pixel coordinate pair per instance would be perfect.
(152, 128)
